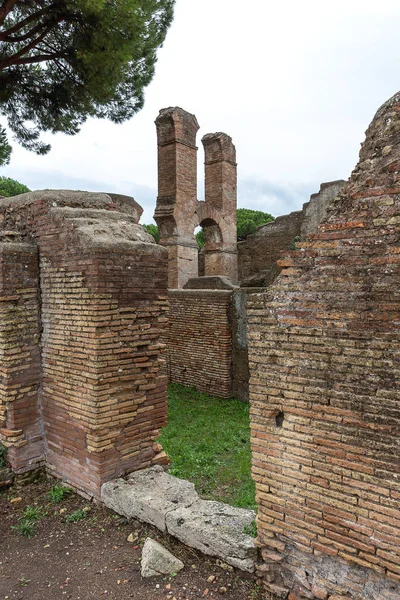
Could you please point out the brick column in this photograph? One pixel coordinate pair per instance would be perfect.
(221, 194)
(177, 192)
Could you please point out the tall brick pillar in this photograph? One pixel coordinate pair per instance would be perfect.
(177, 192)
(220, 193)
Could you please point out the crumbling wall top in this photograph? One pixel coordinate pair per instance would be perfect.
(77, 199)
(218, 147)
(176, 125)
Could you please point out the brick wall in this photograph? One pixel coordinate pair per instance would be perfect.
(102, 397)
(20, 353)
(258, 253)
(199, 345)
(324, 390)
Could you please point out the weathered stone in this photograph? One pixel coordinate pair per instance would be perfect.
(148, 495)
(172, 505)
(6, 477)
(209, 283)
(83, 304)
(157, 560)
(215, 529)
(319, 592)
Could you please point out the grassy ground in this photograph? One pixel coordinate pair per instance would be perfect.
(208, 442)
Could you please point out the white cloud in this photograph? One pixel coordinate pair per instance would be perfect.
(294, 83)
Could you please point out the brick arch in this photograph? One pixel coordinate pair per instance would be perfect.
(177, 198)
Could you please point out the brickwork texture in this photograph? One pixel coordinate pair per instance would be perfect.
(83, 303)
(324, 388)
(260, 251)
(199, 343)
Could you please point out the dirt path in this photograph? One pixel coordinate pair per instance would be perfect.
(91, 558)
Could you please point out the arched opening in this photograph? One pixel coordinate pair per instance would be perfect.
(209, 239)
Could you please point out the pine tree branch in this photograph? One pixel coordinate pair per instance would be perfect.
(6, 8)
(6, 37)
(14, 59)
(37, 58)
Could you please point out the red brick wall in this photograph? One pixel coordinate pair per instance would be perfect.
(199, 347)
(20, 354)
(324, 391)
(258, 253)
(103, 304)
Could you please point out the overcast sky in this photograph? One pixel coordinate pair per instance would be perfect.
(294, 83)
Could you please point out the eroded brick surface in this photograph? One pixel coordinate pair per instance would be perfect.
(258, 253)
(324, 389)
(80, 276)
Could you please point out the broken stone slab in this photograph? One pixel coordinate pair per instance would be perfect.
(173, 505)
(157, 560)
(148, 495)
(215, 529)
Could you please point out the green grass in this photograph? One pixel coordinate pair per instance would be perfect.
(208, 442)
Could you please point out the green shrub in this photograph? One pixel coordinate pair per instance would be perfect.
(76, 516)
(25, 527)
(11, 187)
(153, 230)
(32, 513)
(251, 529)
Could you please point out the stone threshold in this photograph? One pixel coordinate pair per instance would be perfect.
(173, 506)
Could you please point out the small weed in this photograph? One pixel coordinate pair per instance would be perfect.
(251, 529)
(76, 516)
(24, 582)
(32, 513)
(25, 527)
(293, 244)
(256, 593)
(58, 493)
(28, 520)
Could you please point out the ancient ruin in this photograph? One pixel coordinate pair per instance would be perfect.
(178, 212)
(324, 388)
(83, 305)
(90, 333)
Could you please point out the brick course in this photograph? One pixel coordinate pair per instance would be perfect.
(324, 390)
(259, 252)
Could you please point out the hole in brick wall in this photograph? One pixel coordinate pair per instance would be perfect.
(279, 418)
